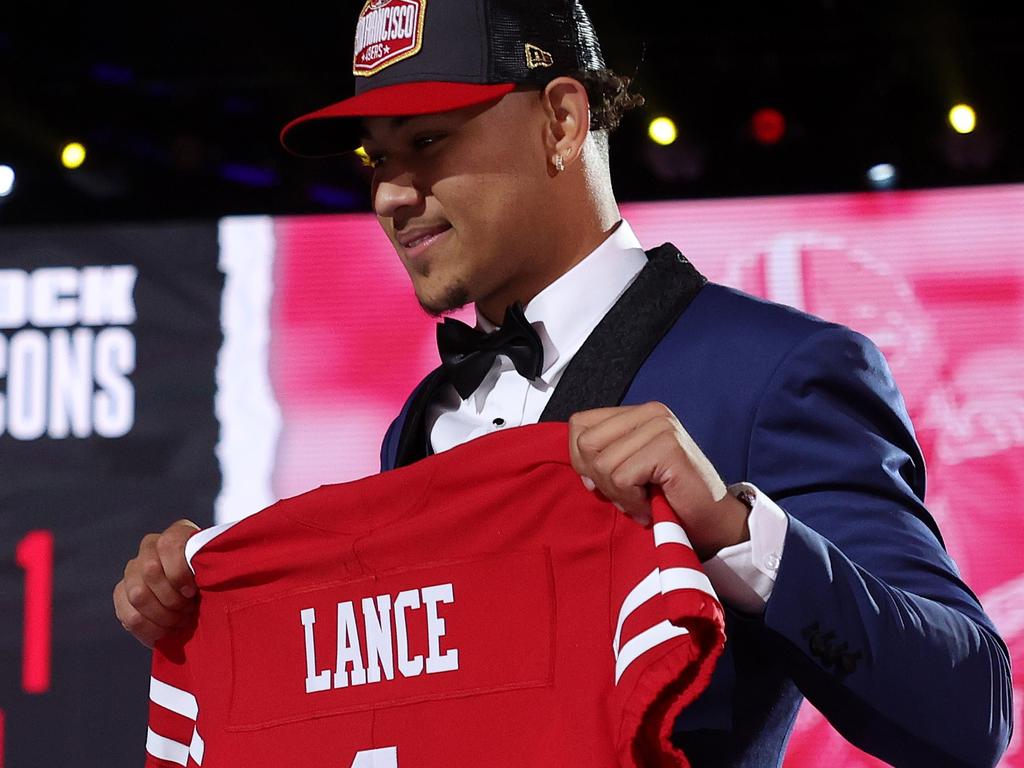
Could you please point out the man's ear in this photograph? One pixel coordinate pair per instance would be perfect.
(567, 109)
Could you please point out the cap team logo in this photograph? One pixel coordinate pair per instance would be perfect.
(388, 31)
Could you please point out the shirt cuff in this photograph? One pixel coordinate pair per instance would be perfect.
(744, 574)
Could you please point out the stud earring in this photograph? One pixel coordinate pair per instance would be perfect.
(559, 163)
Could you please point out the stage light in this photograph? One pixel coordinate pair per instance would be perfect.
(962, 118)
(6, 180)
(73, 155)
(882, 176)
(662, 131)
(768, 126)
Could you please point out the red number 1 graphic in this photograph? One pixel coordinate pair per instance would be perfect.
(34, 555)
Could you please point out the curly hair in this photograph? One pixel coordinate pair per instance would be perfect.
(610, 97)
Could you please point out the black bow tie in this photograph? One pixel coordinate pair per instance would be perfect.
(468, 354)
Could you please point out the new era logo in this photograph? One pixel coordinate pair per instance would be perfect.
(538, 57)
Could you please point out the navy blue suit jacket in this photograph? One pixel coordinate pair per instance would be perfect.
(869, 618)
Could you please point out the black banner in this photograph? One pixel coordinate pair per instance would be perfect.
(108, 346)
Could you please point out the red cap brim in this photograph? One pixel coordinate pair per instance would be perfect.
(335, 129)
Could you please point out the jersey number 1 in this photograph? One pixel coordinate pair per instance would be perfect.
(385, 757)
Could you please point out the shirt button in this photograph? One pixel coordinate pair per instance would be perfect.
(772, 562)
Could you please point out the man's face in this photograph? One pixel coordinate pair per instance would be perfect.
(460, 195)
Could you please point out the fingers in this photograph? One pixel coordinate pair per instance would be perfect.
(621, 450)
(606, 424)
(600, 426)
(157, 593)
(606, 450)
(622, 469)
(634, 471)
(143, 629)
(170, 547)
(603, 426)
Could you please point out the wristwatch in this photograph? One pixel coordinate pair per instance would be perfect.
(745, 495)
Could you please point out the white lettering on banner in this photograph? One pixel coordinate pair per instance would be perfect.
(114, 413)
(73, 380)
(382, 620)
(53, 297)
(70, 383)
(60, 297)
(26, 389)
(13, 298)
(107, 295)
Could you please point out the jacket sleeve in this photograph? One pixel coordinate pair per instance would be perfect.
(389, 445)
(877, 628)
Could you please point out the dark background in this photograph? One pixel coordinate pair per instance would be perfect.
(180, 104)
(98, 497)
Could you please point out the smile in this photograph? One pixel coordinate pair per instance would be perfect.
(419, 245)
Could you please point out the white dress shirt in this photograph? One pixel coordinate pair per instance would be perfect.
(564, 314)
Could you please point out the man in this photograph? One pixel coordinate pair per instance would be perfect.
(485, 122)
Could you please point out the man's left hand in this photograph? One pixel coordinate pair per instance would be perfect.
(621, 451)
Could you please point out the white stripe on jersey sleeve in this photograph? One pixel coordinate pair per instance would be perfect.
(643, 642)
(197, 747)
(166, 749)
(385, 757)
(175, 699)
(670, 533)
(655, 583)
(204, 537)
(686, 578)
(640, 594)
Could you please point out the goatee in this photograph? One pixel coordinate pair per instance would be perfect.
(455, 297)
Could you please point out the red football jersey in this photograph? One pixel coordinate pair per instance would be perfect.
(479, 607)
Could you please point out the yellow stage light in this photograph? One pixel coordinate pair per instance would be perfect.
(73, 155)
(962, 118)
(663, 131)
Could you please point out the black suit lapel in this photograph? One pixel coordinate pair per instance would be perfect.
(600, 373)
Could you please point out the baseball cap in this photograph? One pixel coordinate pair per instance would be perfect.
(415, 57)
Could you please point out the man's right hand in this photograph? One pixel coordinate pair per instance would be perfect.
(157, 592)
